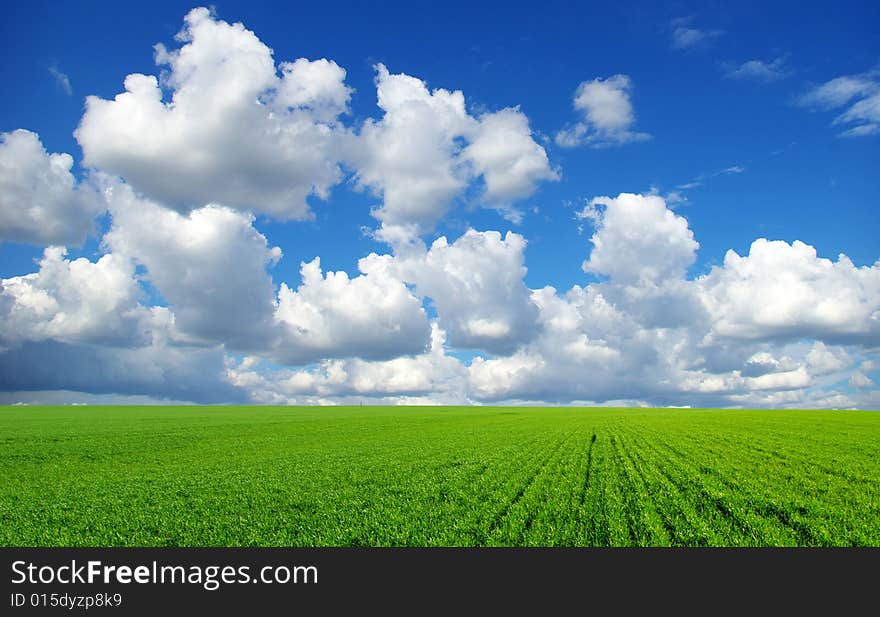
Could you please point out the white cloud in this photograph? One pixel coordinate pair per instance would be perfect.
(507, 377)
(427, 149)
(840, 91)
(504, 153)
(686, 36)
(860, 380)
(210, 265)
(225, 131)
(782, 290)
(476, 283)
(648, 333)
(40, 200)
(638, 239)
(587, 349)
(863, 116)
(823, 359)
(233, 133)
(758, 70)
(810, 398)
(608, 114)
(62, 80)
(860, 94)
(690, 185)
(863, 130)
(591, 348)
(786, 380)
(372, 316)
(675, 197)
(431, 377)
(77, 301)
(81, 327)
(318, 86)
(409, 156)
(425, 374)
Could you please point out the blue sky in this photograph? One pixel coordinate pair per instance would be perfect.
(745, 121)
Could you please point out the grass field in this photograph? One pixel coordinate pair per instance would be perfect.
(383, 476)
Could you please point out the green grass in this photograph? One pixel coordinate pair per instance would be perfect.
(383, 476)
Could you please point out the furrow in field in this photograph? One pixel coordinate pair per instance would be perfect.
(671, 507)
(463, 505)
(693, 516)
(628, 492)
(804, 453)
(388, 477)
(504, 486)
(734, 501)
(646, 524)
(605, 522)
(586, 484)
(816, 506)
(552, 502)
(504, 525)
(460, 502)
(588, 511)
(769, 508)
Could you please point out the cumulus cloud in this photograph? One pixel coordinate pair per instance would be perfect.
(648, 333)
(859, 94)
(427, 149)
(628, 338)
(233, 133)
(860, 380)
(587, 349)
(77, 301)
(782, 290)
(593, 348)
(224, 133)
(430, 373)
(209, 265)
(758, 70)
(509, 160)
(638, 239)
(607, 112)
(645, 334)
(373, 315)
(476, 284)
(41, 201)
(224, 124)
(82, 327)
(409, 157)
(158, 371)
(317, 86)
(431, 377)
(823, 359)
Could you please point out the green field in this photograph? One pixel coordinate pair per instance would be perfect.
(390, 476)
